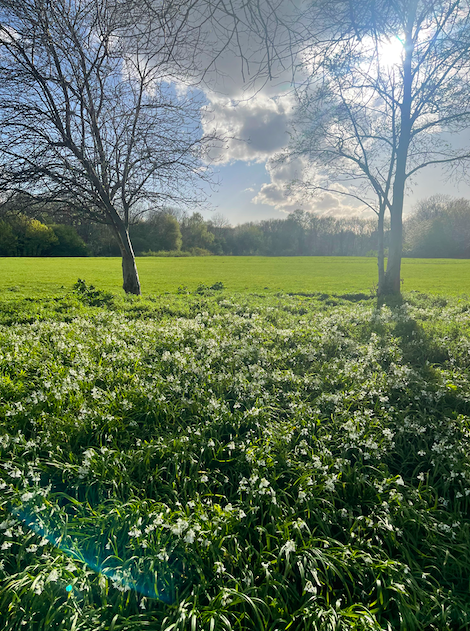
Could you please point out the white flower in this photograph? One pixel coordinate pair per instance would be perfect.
(309, 587)
(180, 526)
(189, 537)
(211, 443)
(219, 567)
(38, 587)
(330, 484)
(289, 547)
(420, 476)
(53, 576)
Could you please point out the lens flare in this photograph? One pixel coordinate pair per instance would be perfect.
(151, 586)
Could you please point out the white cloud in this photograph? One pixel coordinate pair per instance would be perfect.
(286, 197)
(255, 128)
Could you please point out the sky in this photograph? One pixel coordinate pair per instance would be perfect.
(258, 118)
(248, 189)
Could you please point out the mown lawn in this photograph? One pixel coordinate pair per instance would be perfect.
(43, 276)
(221, 461)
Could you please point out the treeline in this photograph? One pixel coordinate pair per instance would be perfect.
(21, 235)
(439, 227)
(167, 233)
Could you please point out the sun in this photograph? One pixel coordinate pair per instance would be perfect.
(390, 52)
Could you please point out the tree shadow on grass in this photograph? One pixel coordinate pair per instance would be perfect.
(420, 350)
(424, 395)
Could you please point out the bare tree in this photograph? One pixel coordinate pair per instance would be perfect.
(387, 85)
(91, 117)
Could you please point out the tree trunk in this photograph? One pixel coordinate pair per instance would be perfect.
(131, 283)
(391, 284)
(380, 250)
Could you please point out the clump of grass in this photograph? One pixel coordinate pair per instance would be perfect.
(91, 296)
(220, 461)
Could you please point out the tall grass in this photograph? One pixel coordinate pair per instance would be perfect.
(216, 461)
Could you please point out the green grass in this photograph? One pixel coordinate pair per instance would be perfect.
(224, 461)
(41, 276)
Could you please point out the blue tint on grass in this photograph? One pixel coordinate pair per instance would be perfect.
(151, 587)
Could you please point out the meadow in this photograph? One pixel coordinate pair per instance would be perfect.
(217, 460)
(43, 276)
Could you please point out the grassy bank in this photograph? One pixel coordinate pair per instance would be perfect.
(43, 276)
(225, 461)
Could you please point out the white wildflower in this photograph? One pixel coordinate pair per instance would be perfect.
(288, 547)
(53, 576)
(189, 536)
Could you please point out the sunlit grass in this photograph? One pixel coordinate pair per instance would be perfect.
(43, 276)
(227, 461)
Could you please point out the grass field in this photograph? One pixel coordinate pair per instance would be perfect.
(219, 461)
(41, 276)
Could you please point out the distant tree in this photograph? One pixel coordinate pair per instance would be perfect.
(68, 242)
(439, 227)
(387, 84)
(24, 236)
(247, 240)
(220, 227)
(8, 239)
(157, 232)
(195, 233)
(88, 114)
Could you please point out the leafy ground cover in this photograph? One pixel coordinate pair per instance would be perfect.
(216, 461)
(45, 276)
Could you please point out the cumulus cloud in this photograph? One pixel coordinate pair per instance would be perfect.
(284, 195)
(254, 129)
